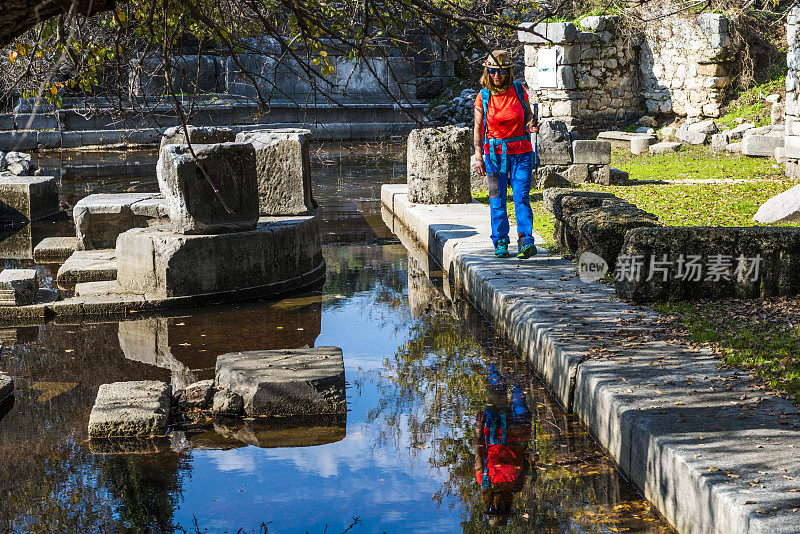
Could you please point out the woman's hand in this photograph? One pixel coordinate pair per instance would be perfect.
(480, 166)
(532, 128)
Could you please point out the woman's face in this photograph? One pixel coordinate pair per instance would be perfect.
(498, 76)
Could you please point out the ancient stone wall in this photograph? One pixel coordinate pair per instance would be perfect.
(588, 79)
(605, 74)
(792, 113)
(685, 64)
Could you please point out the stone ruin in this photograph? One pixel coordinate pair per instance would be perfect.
(618, 231)
(234, 218)
(304, 388)
(604, 75)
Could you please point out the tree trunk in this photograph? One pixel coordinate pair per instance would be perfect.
(19, 16)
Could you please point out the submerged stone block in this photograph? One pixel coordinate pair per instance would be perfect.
(18, 287)
(215, 193)
(162, 262)
(100, 218)
(284, 431)
(284, 170)
(286, 382)
(27, 198)
(54, 249)
(130, 409)
(438, 165)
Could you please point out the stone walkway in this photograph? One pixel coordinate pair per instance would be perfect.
(711, 452)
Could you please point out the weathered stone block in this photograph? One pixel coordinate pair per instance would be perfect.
(593, 23)
(285, 382)
(600, 174)
(566, 54)
(602, 230)
(438, 165)
(159, 261)
(227, 402)
(554, 143)
(88, 266)
(27, 198)
(130, 409)
(761, 145)
(284, 170)
(18, 287)
(730, 262)
(215, 193)
(565, 78)
(591, 152)
(198, 135)
(548, 32)
(623, 139)
(640, 145)
(100, 218)
(783, 207)
(792, 146)
(665, 147)
(196, 395)
(54, 249)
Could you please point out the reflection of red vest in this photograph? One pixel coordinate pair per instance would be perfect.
(503, 464)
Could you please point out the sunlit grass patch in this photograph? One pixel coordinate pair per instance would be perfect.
(759, 335)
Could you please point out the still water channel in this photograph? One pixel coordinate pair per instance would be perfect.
(402, 460)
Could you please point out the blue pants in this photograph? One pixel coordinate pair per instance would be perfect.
(519, 174)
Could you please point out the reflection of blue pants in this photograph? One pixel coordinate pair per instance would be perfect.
(520, 413)
(519, 173)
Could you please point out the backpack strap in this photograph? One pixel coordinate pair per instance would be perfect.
(521, 96)
(485, 96)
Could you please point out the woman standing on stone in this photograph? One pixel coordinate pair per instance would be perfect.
(503, 151)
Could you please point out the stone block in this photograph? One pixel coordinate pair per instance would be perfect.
(566, 54)
(284, 170)
(27, 198)
(130, 409)
(623, 139)
(752, 262)
(713, 69)
(554, 143)
(713, 23)
(54, 249)
(734, 148)
(286, 382)
(198, 135)
(640, 145)
(165, 263)
(577, 173)
(100, 218)
(565, 78)
(665, 147)
(227, 402)
(618, 176)
(600, 174)
(298, 431)
(761, 145)
(792, 146)
(593, 23)
(18, 287)
(783, 207)
(6, 387)
(591, 152)
(215, 193)
(548, 32)
(88, 266)
(195, 395)
(438, 165)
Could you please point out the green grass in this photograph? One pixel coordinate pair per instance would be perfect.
(753, 341)
(749, 104)
(695, 163)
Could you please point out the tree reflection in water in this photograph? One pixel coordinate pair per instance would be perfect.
(435, 384)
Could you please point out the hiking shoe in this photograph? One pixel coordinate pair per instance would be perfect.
(501, 250)
(526, 252)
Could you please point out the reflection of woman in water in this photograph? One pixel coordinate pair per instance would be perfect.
(502, 432)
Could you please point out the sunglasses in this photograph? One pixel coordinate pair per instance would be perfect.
(493, 71)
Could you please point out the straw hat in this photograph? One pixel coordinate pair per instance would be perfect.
(498, 59)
